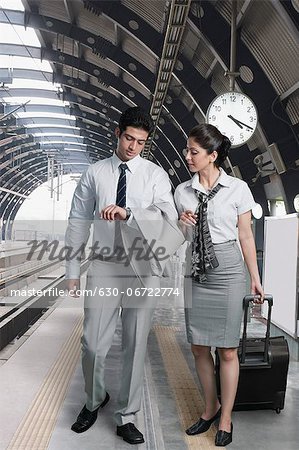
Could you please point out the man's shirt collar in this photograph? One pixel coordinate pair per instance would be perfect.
(132, 164)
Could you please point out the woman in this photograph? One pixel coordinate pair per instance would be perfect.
(216, 209)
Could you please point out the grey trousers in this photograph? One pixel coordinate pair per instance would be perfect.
(112, 288)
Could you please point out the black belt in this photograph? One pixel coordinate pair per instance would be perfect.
(112, 259)
(226, 242)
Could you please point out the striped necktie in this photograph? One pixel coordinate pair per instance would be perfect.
(121, 186)
(203, 253)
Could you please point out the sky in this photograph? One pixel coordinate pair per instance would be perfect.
(43, 214)
(40, 206)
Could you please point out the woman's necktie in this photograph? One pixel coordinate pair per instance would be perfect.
(203, 254)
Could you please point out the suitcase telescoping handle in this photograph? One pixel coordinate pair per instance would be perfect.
(246, 301)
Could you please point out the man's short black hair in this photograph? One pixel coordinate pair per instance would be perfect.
(136, 117)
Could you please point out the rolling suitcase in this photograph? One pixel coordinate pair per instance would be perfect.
(264, 366)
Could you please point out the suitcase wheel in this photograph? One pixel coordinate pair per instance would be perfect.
(277, 410)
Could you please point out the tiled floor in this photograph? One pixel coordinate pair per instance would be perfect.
(22, 379)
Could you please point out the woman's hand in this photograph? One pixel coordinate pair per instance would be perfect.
(258, 291)
(188, 217)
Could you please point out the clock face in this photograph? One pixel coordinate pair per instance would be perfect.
(235, 115)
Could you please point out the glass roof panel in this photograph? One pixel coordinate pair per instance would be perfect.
(24, 62)
(64, 142)
(15, 5)
(34, 101)
(56, 134)
(37, 114)
(51, 125)
(27, 83)
(66, 137)
(68, 149)
(75, 164)
(17, 34)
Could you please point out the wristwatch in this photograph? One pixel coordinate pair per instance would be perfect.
(128, 215)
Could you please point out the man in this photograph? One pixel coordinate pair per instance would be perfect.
(110, 193)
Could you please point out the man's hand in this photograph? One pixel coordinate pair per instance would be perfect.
(73, 286)
(113, 212)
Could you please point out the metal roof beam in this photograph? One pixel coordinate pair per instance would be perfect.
(177, 20)
(13, 192)
(243, 12)
(290, 91)
(70, 11)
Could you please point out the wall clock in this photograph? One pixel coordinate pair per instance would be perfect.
(235, 115)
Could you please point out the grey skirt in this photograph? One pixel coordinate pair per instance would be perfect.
(214, 308)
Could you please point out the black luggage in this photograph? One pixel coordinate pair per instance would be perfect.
(264, 366)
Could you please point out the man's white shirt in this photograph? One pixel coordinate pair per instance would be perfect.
(146, 184)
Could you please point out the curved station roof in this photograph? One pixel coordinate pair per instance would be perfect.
(69, 68)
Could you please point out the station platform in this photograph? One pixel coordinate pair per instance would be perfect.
(42, 391)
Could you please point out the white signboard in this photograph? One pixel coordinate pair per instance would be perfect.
(280, 270)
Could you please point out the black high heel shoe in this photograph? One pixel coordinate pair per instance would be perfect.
(202, 425)
(223, 438)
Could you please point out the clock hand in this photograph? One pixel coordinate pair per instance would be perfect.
(239, 123)
(245, 125)
(235, 120)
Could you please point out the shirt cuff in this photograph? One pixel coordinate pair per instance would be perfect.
(72, 273)
(131, 222)
(72, 277)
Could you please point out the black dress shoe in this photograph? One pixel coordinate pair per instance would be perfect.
(202, 425)
(87, 418)
(223, 438)
(130, 434)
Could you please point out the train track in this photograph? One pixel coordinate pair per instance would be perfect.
(13, 279)
(16, 321)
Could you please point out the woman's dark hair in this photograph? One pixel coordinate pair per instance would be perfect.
(210, 138)
(136, 117)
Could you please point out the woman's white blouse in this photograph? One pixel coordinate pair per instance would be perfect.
(232, 200)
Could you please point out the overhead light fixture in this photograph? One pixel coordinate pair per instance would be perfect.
(257, 211)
